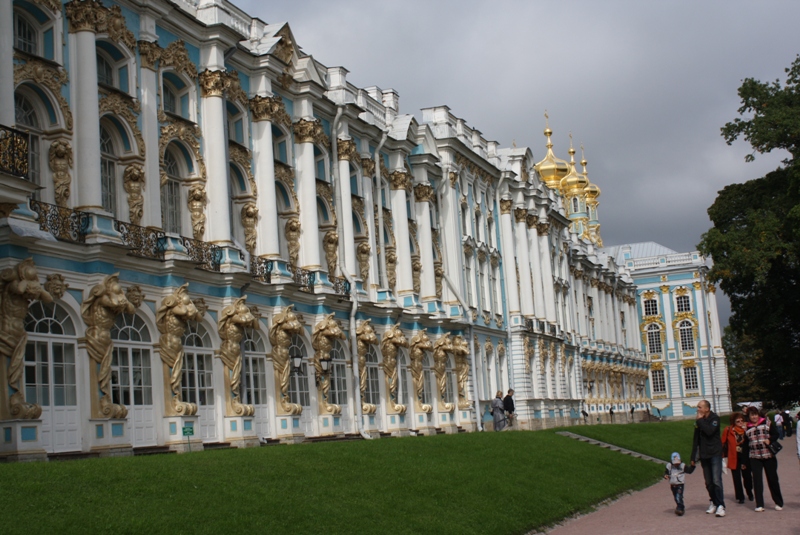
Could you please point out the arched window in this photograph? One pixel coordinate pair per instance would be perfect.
(575, 207)
(236, 126)
(255, 368)
(338, 392)
(131, 377)
(653, 339)
(280, 145)
(27, 119)
(494, 288)
(105, 72)
(171, 195)
(198, 377)
(26, 37)
(686, 334)
(108, 171)
(373, 392)
(683, 304)
(112, 66)
(650, 307)
(176, 95)
(320, 165)
(298, 381)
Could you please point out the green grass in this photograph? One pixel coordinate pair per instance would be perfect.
(657, 439)
(474, 483)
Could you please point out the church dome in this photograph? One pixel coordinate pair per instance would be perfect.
(551, 169)
(574, 183)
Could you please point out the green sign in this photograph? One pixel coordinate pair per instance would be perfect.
(188, 431)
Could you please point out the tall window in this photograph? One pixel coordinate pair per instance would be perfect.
(450, 379)
(683, 304)
(171, 195)
(403, 381)
(651, 307)
(338, 392)
(427, 381)
(575, 205)
(108, 172)
(690, 378)
(319, 165)
(236, 130)
(26, 37)
(373, 393)
(27, 119)
(484, 292)
(298, 381)
(653, 339)
(170, 99)
(50, 378)
(198, 378)
(255, 368)
(176, 95)
(494, 289)
(658, 382)
(105, 72)
(468, 279)
(687, 338)
(131, 378)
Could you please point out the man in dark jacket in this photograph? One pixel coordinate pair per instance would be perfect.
(508, 407)
(707, 448)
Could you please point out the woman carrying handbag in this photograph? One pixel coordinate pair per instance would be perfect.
(760, 436)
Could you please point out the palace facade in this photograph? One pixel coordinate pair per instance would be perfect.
(208, 237)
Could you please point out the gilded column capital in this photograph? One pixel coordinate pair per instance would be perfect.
(543, 228)
(398, 180)
(664, 289)
(346, 149)
(453, 178)
(306, 131)
(149, 54)
(83, 15)
(423, 193)
(368, 165)
(711, 288)
(505, 206)
(594, 282)
(530, 220)
(697, 285)
(520, 214)
(269, 109)
(214, 83)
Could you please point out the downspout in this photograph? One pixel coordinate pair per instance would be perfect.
(353, 293)
(509, 360)
(711, 357)
(464, 306)
(384, 281)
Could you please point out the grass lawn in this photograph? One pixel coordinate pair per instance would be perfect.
(471, 483)
(657, 439)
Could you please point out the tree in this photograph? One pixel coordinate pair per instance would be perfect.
(742, 355)
(755, 240)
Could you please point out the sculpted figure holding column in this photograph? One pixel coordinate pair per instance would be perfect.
(235, 318)
(365, 337)
(392, 340)
(284, 326)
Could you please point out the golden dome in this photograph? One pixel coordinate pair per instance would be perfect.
(551, 169)
(574, 183)
(592, 192)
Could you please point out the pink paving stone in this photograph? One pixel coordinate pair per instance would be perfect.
(652, 509)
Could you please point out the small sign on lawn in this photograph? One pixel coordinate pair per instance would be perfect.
(188, 431)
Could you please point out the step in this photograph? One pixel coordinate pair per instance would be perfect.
(72, 456)
(217, 446)
(152, 450)
(271, 442)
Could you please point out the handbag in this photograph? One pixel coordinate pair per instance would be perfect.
(774, 448)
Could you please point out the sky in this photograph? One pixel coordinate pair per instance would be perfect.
(644, 86)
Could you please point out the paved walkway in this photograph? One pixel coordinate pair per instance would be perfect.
(652, 509)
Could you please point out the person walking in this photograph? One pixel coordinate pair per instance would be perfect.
(779, 424)
(498, 412)
(675, 472)
(737, 456)
(707, 448)
(788, 423)
(760, 434)
(508, 407)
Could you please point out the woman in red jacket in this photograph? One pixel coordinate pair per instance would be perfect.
(734, 447)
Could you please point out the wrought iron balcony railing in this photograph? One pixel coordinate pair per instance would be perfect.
(208, 255)
(65, 224)
(529, 325)
(261, 269)
(304, 278)
(13, 152)
(146, 242)
(341, 286)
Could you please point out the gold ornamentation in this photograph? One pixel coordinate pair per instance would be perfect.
(292, 233)
(498, 320)
(441, 348)
(391, 266)
(214, 83)
(363, 255)
(56, 286)
(325, 332)
(249, 220)
(468, 250)
(99, 311)
(392, 340)
(285, 175)
(649, 294)
(420, 343)
(368, 166)
(520, 215)
(19, 285)
(52, 5)
(416, 270)
(682, 290)
(284, 326)
(306, 131)
(233, 320)
(505, 206)
(689, 363)
(438, 276)
(346, 150)
(83, 15)
(133, 182)
(270, 109)
(172, 317)
(6, 208)
(664, 288)
(330, 244)
(197, 204)
(325, 190)
(134, 295)
(365, 337)
(460, 353)
(399, 180)
(542, 228)
(60, 156)
(495, 261)
(711, 288)
(47, 75)
(112, 22)
(240, 155)
(453, 179)
(177, 57)
(235, 91)
(284, 50)
(149, 54)
(423, 193)
(697, 285)
(481, 256)
(487, 317)
(188, 133)
(501, 349)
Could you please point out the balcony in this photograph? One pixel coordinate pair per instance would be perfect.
(207, 255)
(13, 152)
(261, 269)
(340, 286)
(305, 278)
(144, 242)
(65, 224)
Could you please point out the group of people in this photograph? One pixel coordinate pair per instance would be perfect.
(503, 410)
(747, 447)
(784, 423)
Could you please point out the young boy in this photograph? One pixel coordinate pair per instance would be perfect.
(675, 473)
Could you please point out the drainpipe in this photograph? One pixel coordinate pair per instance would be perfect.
(711, 357)
(353, 293)
(384, 281)
(478, 424)
(508, 318)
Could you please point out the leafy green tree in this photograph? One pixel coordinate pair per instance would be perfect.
(755, 240)
(742, 354)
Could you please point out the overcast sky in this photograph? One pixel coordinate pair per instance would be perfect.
(645, 86)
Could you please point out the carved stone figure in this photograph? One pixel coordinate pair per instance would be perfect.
(365, 337)
(391, 266)
(133, 181)
(392, 340)
(438, 276)
(135, 295)
(330, 244)
(56, 286)
(363, 254)
(460, 354)
(284, 326)
(416, 270)
(197, 206)
(171, 319)
(249, 220)
(60, 156)
(292, 232)
(325, 332)
(99, 311)
(420, 343)
(441, 348)
(19, 286)
(233, 320)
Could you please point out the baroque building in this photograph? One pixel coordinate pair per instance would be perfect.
(206, 231)
(680, 330)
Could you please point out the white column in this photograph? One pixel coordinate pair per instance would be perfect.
(7, 116)
(150, 131)
(580, 310)
(268, 231)
(405, 281)
(215, 145)
(307, 195)
(507, 237)
(597, 311)
(346, 214)
(666, 310)
(701, 318)
(716, 335)
(521, 235)
(423, 193)
(547, 272)
(536, 268)
(87, 122)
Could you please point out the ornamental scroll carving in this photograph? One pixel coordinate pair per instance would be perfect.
(292, 234)
(420, 343)
(196, 202)
(368, 166)
(214, 83)
(48, 76)
(284, 326)
(393, 339)
(363, 254)
(441, 348)
(346, 150)
(460, 353)
(235, 91)
(189, 134)
(520, 215)
(60, 156)
(177, 57)
(99, 311)
(172, 317)
(240, 155)
(52, 5)
(399, 180)
(416, 272)
(391, 266)
(306, 131)
(233, 320)
(322, 340)
(133, 182)
(423, 193)
(88, 15)
(365, 337)
(270, 109)
(284, 49)
(325, 191)
(249, 221)
(19, 286)
(149, 54)
(505, 206)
